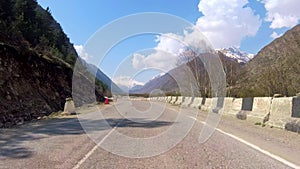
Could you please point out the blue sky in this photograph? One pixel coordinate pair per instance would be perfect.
(248, 24)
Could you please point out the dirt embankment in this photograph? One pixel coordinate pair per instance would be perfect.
(32, 86)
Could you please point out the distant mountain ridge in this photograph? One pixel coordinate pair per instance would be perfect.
(275, 69)
(115, 89)
(236, 54)
(169, 85)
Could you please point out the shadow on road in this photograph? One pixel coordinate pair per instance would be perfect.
(13, 141)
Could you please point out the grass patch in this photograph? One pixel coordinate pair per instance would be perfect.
(258, 123)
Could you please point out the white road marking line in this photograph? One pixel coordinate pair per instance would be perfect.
(290, 164)
(95, 148)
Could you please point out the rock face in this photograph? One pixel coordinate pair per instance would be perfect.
(32, 86)
(36, 65)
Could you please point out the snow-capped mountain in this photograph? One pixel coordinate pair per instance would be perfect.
(236, 54)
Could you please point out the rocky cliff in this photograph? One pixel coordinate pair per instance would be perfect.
(36, 65)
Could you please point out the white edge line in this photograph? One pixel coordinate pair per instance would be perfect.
(290, 164)
(94, 148)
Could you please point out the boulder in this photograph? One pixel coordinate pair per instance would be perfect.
(242, 115)
(293, 126)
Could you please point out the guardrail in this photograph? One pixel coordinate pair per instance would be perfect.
(275, 112)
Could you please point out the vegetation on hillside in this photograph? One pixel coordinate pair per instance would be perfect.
(275, 69)
(26, 26)
(36, 65)
(25, 22)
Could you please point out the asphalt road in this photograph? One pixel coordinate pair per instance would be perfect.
(137, 134)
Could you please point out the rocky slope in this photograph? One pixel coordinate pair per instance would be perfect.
(275, 69)
(36, 65)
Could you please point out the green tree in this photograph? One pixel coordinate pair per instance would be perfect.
(6, 10)
(26, 19)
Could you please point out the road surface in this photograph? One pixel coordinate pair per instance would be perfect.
(145, 136)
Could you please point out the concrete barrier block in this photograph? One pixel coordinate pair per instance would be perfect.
(228, 105)
(187, 101)
(236, 106)
(281, 111)
(231, 106)
(168, 99)
(174, 99)
(247, 104)
(196, 102)
(260, 109)
(179, 100)
(207, 105)
(69, 107)
(296, 107)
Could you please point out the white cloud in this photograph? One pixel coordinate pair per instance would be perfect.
(226, 22)
(175, 44)
(126, 81)
(165, 55)
(170, 43)
(282, 13)
(275, 35)
(138, 61)
(158, 60)
(81, 52)
(169, 48)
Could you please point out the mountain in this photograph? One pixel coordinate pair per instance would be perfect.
(275, 69)
(36, 65)
(115, 89)
(179, 76)
(236, 54)
(231, 58)
(165, 83)
(135, 89)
